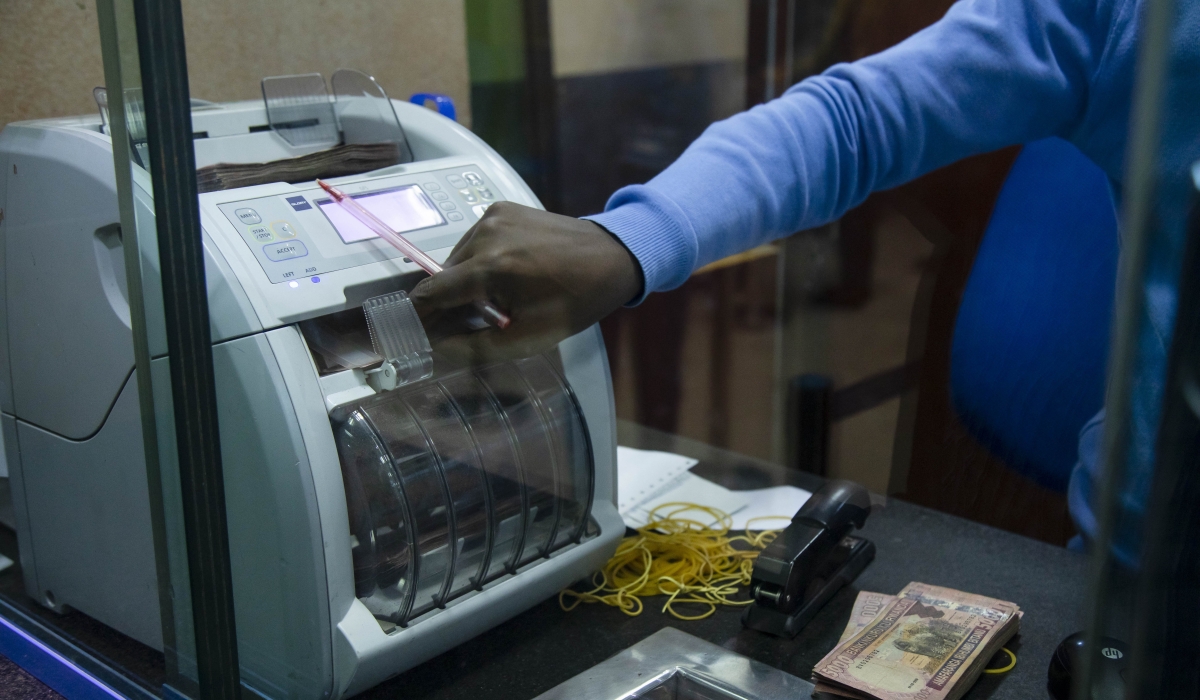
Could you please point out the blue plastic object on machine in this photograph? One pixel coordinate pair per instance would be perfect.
(443, 103)
(1031, 339)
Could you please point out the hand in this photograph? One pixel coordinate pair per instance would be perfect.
(553, 275)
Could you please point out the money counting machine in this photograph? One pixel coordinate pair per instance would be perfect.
(370, 529)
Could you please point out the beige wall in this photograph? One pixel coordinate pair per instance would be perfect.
(408, 45)
(594, 36)
(49, 58)
(50, 49)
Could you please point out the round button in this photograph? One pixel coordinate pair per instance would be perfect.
(440, 196)
(446, 206)
(454, 216)
(432, 186)
(284, 229)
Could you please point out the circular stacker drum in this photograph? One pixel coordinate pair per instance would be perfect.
(455, 481)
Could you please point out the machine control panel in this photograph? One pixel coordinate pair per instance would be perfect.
(306, 234)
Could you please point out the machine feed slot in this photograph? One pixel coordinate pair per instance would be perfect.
(340, 341)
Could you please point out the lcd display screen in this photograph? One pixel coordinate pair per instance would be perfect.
(403, 208)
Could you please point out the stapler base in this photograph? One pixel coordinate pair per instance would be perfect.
(847, 561)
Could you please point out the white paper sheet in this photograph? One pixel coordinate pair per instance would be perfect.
(781, 501)
(641, 473)
(5, 562)
(646, 479)
(687, 488)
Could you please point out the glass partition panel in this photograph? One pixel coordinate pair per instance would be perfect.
(1144, 568)
(703, 221)
(91, 479)
(373, 523)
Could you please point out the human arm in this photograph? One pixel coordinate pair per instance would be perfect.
(991, 73)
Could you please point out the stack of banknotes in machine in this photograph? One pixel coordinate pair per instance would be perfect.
(347, 159)
(927, 643)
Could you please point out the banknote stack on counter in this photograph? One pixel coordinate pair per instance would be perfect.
(927, 643)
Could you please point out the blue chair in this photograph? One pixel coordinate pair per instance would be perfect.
(1031, 338)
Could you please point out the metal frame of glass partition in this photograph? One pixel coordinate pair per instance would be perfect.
(1144, 559)
(146, 75)
(142, 45)
(1167, 608)
(163, 61)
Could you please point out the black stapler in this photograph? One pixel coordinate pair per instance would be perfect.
(810, 560)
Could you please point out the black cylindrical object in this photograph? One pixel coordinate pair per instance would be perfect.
(808, 423)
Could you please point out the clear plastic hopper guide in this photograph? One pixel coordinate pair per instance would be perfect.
(457, 480)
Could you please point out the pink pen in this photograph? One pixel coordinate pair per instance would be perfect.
(404, 246)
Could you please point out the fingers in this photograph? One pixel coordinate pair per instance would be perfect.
(467, 350)
(492, 345)
(452, 287)
(464, 249)
(461, 251)
(462, 280)
(479, 348)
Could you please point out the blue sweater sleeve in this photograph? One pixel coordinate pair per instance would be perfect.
(989, 74)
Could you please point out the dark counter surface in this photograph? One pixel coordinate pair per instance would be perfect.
(545, 646)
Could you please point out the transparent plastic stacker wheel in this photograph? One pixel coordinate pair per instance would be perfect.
(454, 481)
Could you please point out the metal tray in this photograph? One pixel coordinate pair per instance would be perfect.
(673, 665)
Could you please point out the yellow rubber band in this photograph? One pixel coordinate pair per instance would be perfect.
(1012, 661)
(691, 563)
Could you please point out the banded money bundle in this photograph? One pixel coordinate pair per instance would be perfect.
(927, 643)
(348, 159)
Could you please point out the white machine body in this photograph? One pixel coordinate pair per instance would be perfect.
(72, 425)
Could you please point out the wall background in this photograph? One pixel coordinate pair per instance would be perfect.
(50, 49)
(49, 59)
(623, 35)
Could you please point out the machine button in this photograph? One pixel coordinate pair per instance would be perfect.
(454, 216)
(440, 196)
(285, 251)
(284, 229)
(432, 186)
(469, 196)
(447, 206)
(262, 234)
(473, 178)
(485, 193)
(478, 209)
(456, 182)
(248, 216)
